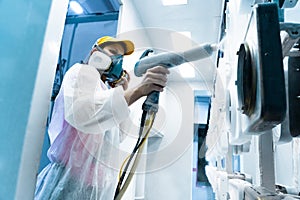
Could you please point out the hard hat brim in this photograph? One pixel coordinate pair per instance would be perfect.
(129, 46)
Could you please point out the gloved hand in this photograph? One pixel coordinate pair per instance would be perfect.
(155, 79)
(124, 81)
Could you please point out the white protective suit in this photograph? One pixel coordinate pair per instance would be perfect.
(84, 135)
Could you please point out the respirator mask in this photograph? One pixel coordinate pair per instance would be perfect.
(110, 67)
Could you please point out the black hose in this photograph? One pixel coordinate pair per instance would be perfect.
(137, 145)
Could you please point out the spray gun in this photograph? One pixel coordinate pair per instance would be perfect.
(150, 105)
(168, 60)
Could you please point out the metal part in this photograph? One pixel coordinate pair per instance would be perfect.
(92, 18)
(290, 34)
(287, 3)
(263, 39)
(260, 1)
(266, 161)
(239, 149)
(237, 176)
(293, 95)
(283, 134)
(260, 193)
(294, 53)
(246, 80)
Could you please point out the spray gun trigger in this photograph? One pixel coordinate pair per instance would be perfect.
(146, 53)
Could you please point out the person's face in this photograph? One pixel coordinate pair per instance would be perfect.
(114, 49)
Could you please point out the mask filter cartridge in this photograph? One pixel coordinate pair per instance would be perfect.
(100, 60)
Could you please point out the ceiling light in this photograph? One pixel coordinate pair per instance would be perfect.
(173, 2)
(187, 70)
(76, 7)
(186, 33)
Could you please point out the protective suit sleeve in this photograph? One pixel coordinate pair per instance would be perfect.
(89, 106)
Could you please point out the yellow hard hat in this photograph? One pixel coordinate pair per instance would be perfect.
(106, 40)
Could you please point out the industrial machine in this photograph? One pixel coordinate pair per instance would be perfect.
(259, 117)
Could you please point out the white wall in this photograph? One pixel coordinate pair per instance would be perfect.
(169, 163)
(129, 19)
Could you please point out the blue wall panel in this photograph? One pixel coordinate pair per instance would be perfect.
(22, 32)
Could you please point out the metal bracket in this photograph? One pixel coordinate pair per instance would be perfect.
(289, 3)
(256, 193)
(289, 38)
(261, 193)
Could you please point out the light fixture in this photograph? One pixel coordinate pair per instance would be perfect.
(188, 34)
(174, 2)
(186, 70)
(76, 7)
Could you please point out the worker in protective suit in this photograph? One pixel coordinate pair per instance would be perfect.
(85, 126)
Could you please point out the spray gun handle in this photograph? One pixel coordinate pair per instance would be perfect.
(151, 102)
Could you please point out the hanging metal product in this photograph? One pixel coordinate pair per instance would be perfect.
(260, 75)
(294, 95)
